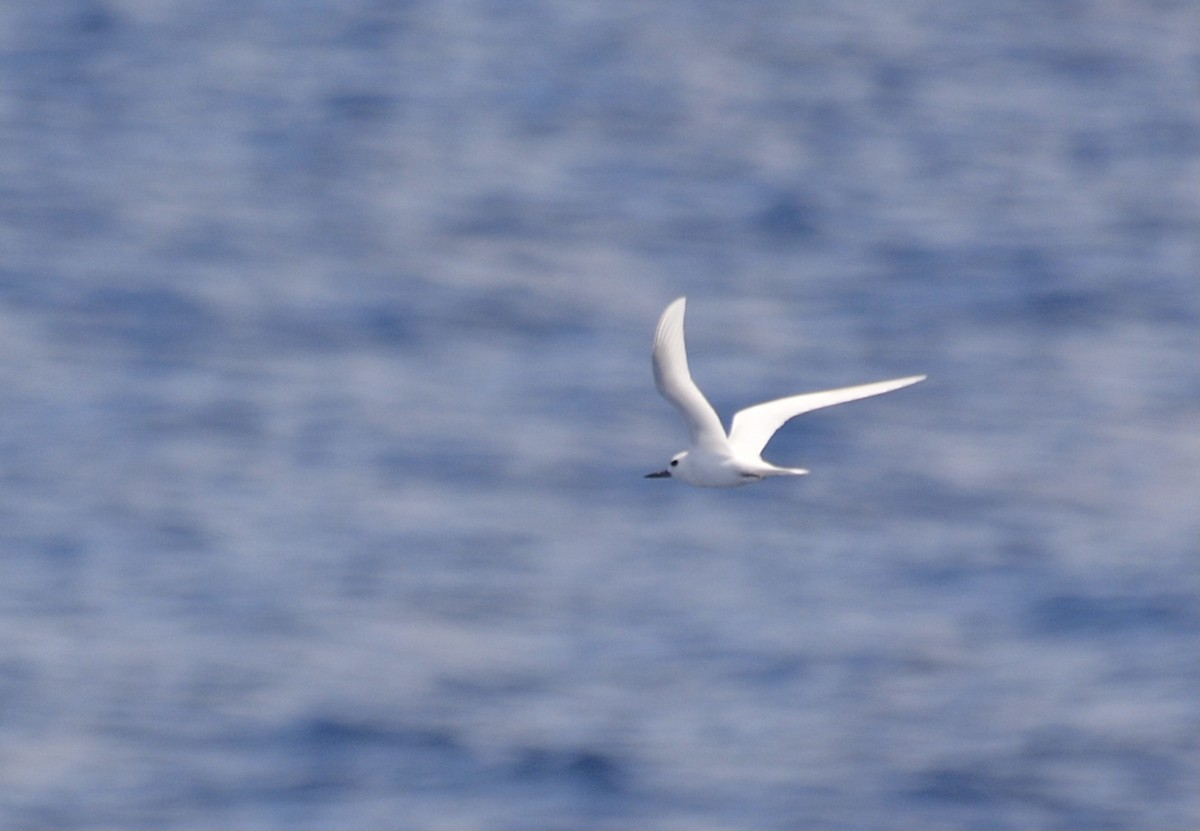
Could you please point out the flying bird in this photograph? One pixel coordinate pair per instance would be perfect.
(717, 460)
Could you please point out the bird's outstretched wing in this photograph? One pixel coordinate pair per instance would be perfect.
(753, 427)
(674, 381)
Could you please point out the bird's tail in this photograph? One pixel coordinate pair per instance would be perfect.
(786, 471)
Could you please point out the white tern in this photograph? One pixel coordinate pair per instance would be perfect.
(718, 461)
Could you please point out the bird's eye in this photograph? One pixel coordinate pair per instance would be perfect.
(674, 462)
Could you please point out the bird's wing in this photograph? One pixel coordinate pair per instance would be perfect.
(753, 427)
(675, 382)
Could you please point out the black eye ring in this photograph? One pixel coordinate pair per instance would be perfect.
(674, 462)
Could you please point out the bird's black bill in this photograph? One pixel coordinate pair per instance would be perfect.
(662, 474)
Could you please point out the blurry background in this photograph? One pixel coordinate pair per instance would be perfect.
(325, 399)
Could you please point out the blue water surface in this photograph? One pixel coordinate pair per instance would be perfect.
(324, 372)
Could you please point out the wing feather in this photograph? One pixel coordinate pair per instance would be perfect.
(753, 427)
(674, 380)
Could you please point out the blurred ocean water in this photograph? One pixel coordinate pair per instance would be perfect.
(326, 398)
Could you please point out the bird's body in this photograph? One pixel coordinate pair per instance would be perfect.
(717, 460)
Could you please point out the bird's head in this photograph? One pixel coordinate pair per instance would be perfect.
(666, 473)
